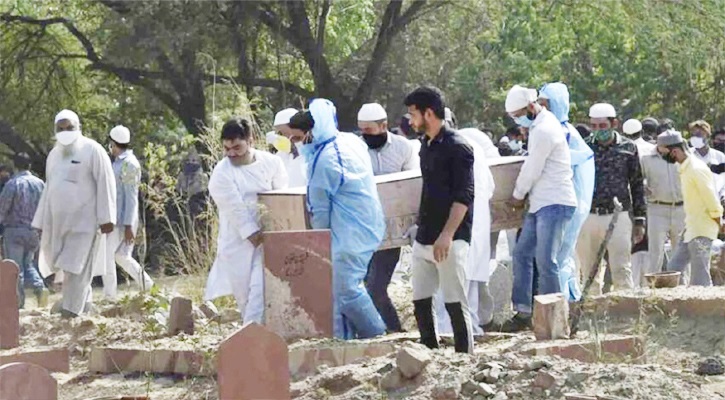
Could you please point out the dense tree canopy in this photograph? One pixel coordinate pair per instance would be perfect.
(169, 68)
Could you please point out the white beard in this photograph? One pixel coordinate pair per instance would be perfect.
(69, 150)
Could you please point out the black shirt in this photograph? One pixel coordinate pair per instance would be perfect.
(446, 164)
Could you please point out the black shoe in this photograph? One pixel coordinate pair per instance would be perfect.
(423, 310)
(519, 323)
(460, 328)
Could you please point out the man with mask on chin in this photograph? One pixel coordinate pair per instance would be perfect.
(618, 174)
(389, 153)
(546, 177)
(77, 210)
(703, 211)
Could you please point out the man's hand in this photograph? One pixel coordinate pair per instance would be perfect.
(638, 233)
(107, 228)
(516, 204)
(128, 235)
(256, 238)
(442, 247)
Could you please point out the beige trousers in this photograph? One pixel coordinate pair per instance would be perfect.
(619, 248)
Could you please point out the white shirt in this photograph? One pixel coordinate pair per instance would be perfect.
(643, 147)
(482, 140)
(296, 168)
(712, 157)
(546, 174)
(396, 155)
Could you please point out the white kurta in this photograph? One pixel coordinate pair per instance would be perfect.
(480, 253)
(79, 196)
(234, 190)
(296, 169)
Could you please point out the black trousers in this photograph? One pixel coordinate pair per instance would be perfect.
(380, 272)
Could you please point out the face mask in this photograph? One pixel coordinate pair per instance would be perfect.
(524, 121)
(515, 145)
(67, 137)
(669, 158)
(602, 135)
(282, 144)
(375, 141)
(697, 142)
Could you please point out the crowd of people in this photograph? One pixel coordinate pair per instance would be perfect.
(573, 180)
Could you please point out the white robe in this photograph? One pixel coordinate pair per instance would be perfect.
(234, 190)
(296, 169)
(79, 197)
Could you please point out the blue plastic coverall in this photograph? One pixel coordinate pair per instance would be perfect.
(342, 196)
(582, 162)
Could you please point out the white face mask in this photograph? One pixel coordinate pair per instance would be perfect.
(299, 145)
(697, 142)
(515, 145)
(67, 137)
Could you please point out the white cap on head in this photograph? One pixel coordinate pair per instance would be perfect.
(120, 134)
(271, 136)
(504, 139)
(283, 117)
(371, 112)
(519, 97)
(602, 110)
(67, 115)
(631, 126)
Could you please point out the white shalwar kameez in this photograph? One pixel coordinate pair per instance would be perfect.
(79, 197)
(478, 265)
(238, 268)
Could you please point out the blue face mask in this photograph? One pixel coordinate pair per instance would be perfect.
(523, 121)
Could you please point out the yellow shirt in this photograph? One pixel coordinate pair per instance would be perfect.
(702, 205)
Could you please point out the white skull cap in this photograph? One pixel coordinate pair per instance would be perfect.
(120, 134)
(67, 115)
(602, 110)
(631, 126)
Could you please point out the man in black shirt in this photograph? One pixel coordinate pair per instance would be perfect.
(445, 218)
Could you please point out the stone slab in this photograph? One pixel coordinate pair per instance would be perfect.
(9, 313)
(181, 317)
(551, 317)
(53, 360)
(684, 302)
(305, 360)
(591, 351)
(253, 364)
(108, 360)
(25, 381)
(298, 283)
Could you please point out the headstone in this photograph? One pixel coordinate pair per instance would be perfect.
(551, 317)
(181, 317)
(298, 283)
(253, 364)
(9, 314)
(25, 381)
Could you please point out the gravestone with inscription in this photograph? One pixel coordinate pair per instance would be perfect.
(298, 283)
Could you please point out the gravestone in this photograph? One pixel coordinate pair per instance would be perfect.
(298, 283)
(25, 381)
(9, 314)
(551, 317)
(181, 318)
(253, 363)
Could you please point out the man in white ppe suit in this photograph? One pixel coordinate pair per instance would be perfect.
(235, 182)
(295, 165)
(389, 153)
(120, 243)
(79, 200)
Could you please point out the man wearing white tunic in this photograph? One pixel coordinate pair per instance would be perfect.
(78, 200)
(234, 185)
(295, 165)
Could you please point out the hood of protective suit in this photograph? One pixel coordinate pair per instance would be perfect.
(324, 114)
(558, 95)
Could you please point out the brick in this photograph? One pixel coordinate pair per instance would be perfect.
(544, 380)
(412, 361)
(9, 313)
(162, 361)
(551, 317)
(304, 361)
(54, 360)
(25, 381)
(253, 363)
(298, 284)
(632, 347)
(181, 317)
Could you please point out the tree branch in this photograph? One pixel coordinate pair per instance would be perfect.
(322, 25)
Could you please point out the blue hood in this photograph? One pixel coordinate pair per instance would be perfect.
(558, 95)
(324, 114)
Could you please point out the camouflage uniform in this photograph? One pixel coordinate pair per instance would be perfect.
(618, 174)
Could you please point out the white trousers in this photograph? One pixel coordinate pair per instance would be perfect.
(640, 266)
(120, 253)
(619, 248)
(252, 310)
(443, 321)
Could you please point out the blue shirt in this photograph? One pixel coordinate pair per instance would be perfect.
(128, 178)
(19, 200)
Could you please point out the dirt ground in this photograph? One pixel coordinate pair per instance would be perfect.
(675, 344)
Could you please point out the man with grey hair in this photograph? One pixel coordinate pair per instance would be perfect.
(703, 211)
(77, 210)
